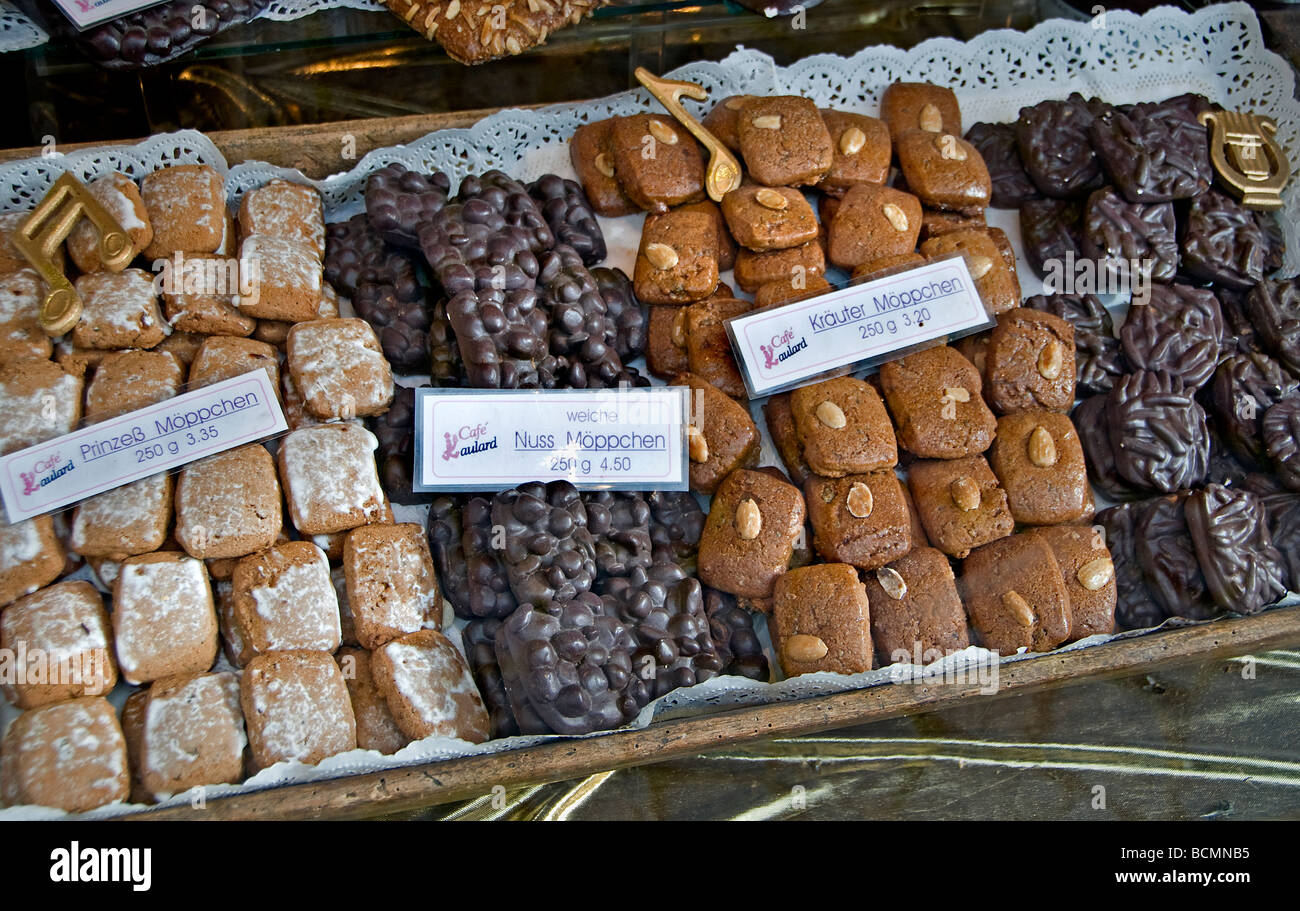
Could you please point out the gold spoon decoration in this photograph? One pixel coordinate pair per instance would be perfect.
(723, 173)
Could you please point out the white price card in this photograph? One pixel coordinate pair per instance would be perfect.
(858, 326)
(608, 439)
(149, 441)
(85, 13)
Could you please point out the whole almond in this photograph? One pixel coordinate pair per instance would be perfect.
(735, 102)
(1094, 574)
(897, 217)
(661, 256)
(851, 141)
(949, 148)
(663, 132)
(1051, 359)
(965, 493)
(957, 393)
(892, 582)
(696, 445)
(1042, 448)
(1019, 608)
(831, 415)
(767, 122)
(513, 46)
(802, 647)
(860, 500)
(603, 165)
(979, 266)
(931, 120)
(452, 9)
(749, 520)
(679, 328)
(771, 199)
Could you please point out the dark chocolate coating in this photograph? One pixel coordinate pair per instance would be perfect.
(1244, 387)
(1055, 148)
(619, 521)
(479, 637)
(549, 554)
(155, 35)
(399, 201)
(446, 536)
(734, 637)
(1164, 551)
(1052, 231)
(1134, 608)
(1157, 433)
(569, 215)
(402, 326)
(1179, 331)
(1283, 511)
(445, 367)
(1274, 308)
(1089, 419)
(678, 522)
(1098, 357)
(395, 431)
(487, 581)
(580, 325)
(1244, 571)
(1225, 243)
(626, 323)
(1280, 428)
(997, 145)
(572, 664)
(1153, 152)
(1118, 233)
(356, 255)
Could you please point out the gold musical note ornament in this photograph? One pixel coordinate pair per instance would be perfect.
(723, 173)
(38, 239)
(1248, 161)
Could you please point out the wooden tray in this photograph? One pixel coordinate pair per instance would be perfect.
(315, 151)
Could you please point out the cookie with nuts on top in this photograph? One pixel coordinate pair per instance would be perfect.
(721, 436)
(944, 171)
(907, 106)
(589, 153)
(784, 141)
(995, 281)
(1015, 594)
(791, 266)
(723, 118)
(860, 519)
(476, 31)
(821, 621)
(665, 350)
(916, 613)
(844, 427)
(873, 222)
(790, 290)
(861, 151)
(769, 218)
(708, 348)
(960, 503)
(1038, 458)
(678, 259)
(1030, 362)
(1089, 576)
(658, 163)
(750, 533)
(934, 396)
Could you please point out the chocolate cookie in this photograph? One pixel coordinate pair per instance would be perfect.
(549, 554)
(1157, 433)
(734, 637)
(1098, 357)
(356, 255)
(1055, 147)
(1244, 387)
(1089, 419)
(1153, 153)
(1052, 231)
(487, 581)
(997, 144)
(626, 326)
(479, 637)
(676, 523)
(446, 548)
(1164, 551)
(1280, 428)
(1229, 529)
(399, 201)
(395, 431)
(402, 327)
(580, 324)
(1121, 235)
(1274, 308)
(1226, 243)
(1134, 606)
(569, 215)
(620, 524)
(1179, 331)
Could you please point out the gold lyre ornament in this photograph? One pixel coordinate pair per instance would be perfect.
(1246, 157)
(39, 236)
(723, 173)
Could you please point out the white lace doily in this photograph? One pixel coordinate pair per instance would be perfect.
(1218, 51)
(17, 32)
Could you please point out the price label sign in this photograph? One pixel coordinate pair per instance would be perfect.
(479, 439)
(85, 13)
(135, 445)
(858, 326)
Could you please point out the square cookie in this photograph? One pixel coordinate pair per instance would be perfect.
(429, 688)
(376, 729)
(784, 292)
(795, 265)
(589, 153)
(164, 621)
(339, 369)
(1016, 596)
(292, 211)
(944, 171)
(193, 733)
(960, 503)
(678, 259)
(860, 519)
(934, 397)
(228, 505)
(844, 427)
(329, 478)
(708, 348)
(1038, 459)
(721, 436)
(125, 521)
(784, 141)
(59, 642)
(38, 401)
(780, 424)
(121, 198)
(199, 296)
(723, 118)
(296, 708)
(21, 335)
(284, 600)
(221, 357)
(120, 310)
(665, 351)
(750, 533)
(862, 150)
(127, 380)
(31, 556)
(70, 755)
(658, 163)
(1030, 362)
(186, 205)
(916, 613)
(283, 279)
(873, 222)
(769, 218)
(822, 621)
(1089, 575)
(907, 106)
(391, 585)
(996, 282)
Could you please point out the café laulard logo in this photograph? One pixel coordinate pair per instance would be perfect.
(44, 471)
(468, 440)
(780, 348)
